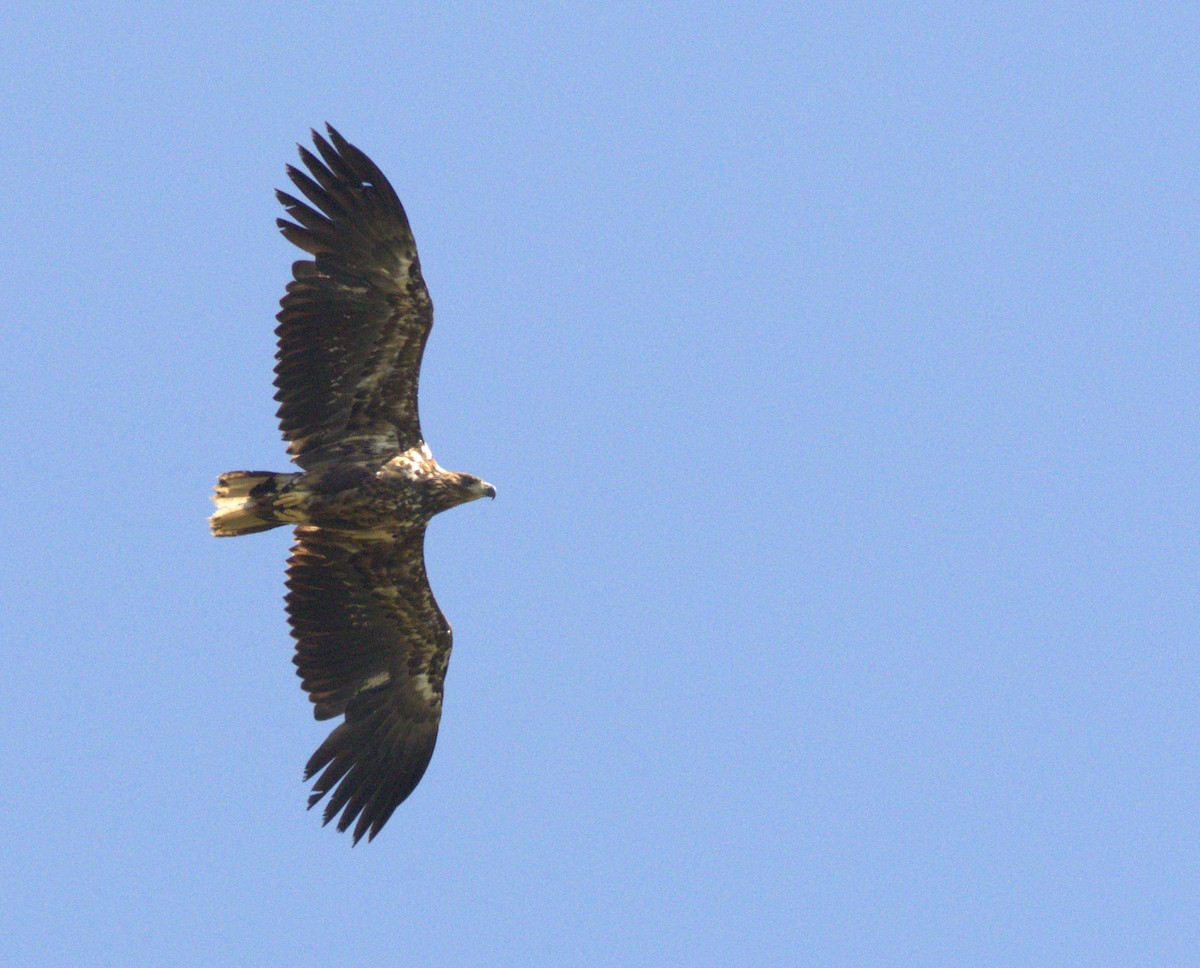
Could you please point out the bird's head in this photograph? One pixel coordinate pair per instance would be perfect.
(472, 488)
(449, 489)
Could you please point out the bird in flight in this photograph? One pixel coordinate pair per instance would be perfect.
(371, 643)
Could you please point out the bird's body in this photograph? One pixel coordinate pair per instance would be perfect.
(354, 499)
(371, 642)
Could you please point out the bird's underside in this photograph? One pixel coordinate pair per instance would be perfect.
(371, 643)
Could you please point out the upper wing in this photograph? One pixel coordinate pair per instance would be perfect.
(355, 319)
(371, 643)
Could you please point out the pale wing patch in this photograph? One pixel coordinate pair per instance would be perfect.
(415, 463)
(424, 688)
(377, 680)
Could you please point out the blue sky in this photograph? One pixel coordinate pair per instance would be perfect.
(837, 373)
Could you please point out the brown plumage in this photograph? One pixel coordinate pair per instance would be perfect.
(371, 643)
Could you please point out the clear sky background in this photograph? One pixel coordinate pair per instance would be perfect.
(836, 367)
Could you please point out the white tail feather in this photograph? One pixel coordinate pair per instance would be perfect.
(237, 511)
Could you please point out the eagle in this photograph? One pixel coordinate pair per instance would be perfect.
(371, 643)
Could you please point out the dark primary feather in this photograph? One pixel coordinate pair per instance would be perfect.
(372, 643)
(353, 325)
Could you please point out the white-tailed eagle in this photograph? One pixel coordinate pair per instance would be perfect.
(371, 643)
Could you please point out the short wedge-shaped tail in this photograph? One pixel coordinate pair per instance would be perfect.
(246, 502)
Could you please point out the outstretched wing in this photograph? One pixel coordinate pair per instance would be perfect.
(355, 318)
(371, 643)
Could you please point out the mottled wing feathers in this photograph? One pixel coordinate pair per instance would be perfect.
(371, 643)
(356, 316)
